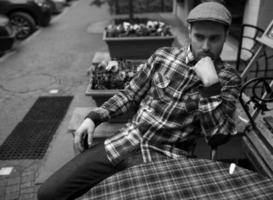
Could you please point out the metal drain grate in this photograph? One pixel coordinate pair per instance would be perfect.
(48, 108)
(31, 137)
(29, 140)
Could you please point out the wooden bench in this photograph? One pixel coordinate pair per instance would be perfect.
(258, 135)
(258, 145)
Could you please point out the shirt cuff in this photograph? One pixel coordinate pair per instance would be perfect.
(98, 115)
(212, 90)
(191, 105)
(95, 117)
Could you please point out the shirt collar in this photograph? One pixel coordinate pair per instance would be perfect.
(189, 55)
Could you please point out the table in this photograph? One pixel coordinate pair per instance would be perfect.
(183, 179)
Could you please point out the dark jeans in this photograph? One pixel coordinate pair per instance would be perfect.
(82, 173)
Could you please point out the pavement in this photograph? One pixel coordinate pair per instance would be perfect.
(40, 65)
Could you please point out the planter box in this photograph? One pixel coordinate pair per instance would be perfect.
(135, 47)
(100, 96)
(96, 81)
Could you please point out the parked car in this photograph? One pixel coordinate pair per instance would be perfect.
(25, 15)
(7, 35)
(57, 6)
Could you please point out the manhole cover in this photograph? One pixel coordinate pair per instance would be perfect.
(29, 83)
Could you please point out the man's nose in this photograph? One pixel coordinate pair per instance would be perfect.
(206, 45)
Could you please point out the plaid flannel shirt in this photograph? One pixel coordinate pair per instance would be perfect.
(172, 106)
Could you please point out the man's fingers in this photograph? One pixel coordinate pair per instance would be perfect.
(90, 137)
(77, 142)
(205, 70)
(85, 131)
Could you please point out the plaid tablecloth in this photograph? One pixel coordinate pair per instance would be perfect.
(183, 179)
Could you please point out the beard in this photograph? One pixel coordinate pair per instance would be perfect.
(201, 55)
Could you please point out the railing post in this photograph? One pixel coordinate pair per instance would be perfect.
(243, 74)
(255, 113)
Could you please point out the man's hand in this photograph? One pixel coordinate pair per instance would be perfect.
(205, 70)
(86, 129)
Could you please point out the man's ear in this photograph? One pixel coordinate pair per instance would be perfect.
(227, 32)
(189, 29)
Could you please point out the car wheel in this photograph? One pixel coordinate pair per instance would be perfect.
(24, 24)
(52, 7)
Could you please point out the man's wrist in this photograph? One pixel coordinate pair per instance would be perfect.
(211, 81)
(212, 90)
(90, 121)
(94, 117)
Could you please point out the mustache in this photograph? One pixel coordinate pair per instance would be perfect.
(205, 54)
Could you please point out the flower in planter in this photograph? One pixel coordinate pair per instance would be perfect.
(127, 29)
(114, 74)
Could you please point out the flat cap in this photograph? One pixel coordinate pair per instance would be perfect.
(210, 11)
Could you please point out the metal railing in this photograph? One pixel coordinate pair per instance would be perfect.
(257, 101)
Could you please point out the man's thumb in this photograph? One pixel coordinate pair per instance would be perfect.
(90, 136)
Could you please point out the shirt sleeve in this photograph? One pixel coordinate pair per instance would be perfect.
(217, 106)
(128, 98)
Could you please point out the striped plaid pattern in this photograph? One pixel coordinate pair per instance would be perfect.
(171, 109)
(186, 179)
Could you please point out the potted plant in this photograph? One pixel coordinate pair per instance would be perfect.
(108, 77)
(135, 38)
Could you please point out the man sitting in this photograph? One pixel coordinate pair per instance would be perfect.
(179, 94)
